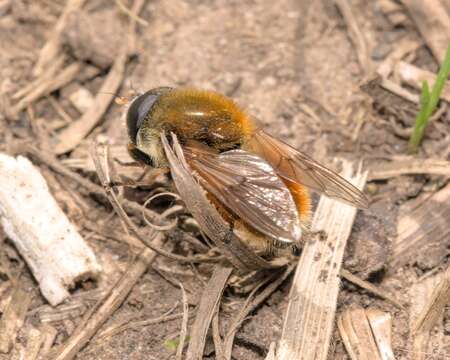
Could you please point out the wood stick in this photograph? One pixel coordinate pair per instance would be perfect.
(52, 247)
(414, 76)
(209, 302)
(87, 329)
(409, 166)
(309, 319)
(433, 22)
(13, 318)
(52, 46)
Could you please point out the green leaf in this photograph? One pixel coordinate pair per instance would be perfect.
(425, 96)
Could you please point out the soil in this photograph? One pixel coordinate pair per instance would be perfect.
(292, 65)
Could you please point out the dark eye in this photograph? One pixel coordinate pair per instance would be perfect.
(138, 111)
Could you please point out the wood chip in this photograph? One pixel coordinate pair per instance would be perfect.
(414, 76)
(13, 318)
(310, 315)
(433, 22)
(52, 247)
(422, 229)
(408, 166)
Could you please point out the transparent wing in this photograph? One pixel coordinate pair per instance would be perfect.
(293, 165)
(249, 188)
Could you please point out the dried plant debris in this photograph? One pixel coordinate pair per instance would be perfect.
(408, 165)
(423, 234)
(366, 334)
(313, 297)
(13, 317)
(414, 76)
(435, 307)
(57, 254)
(433, 23)
(426, 343)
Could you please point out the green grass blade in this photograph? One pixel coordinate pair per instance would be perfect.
(429, 103)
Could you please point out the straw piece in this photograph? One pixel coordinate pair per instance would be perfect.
(309, 319)
(357, 335)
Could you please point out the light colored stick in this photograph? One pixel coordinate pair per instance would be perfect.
(414, 76)
(409, 166)
(433, 22)
(13, 318)
(53, 249)
(309, 319)
(88, 328)
(422, 228)
(52, 46)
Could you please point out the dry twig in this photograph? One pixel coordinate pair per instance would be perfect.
(209, 302)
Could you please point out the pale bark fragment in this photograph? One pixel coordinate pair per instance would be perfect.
(53, 249)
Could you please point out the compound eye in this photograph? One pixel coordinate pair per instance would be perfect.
(138, 111)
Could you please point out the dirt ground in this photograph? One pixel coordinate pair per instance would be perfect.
(293, 66)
